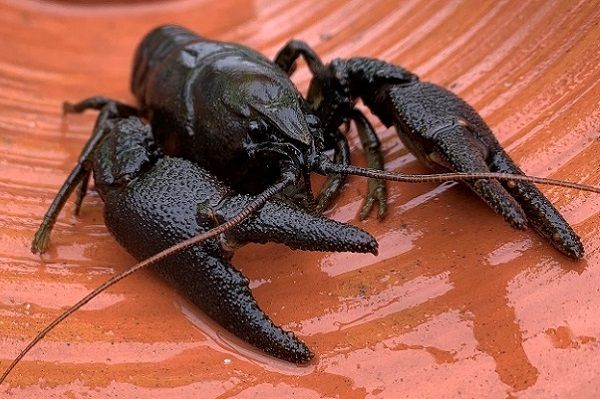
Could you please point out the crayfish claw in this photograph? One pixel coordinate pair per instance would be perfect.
(541, 214)
(160, 208)
(497, 198)
(455, 147)
(468, 145)
(215, 286)
(446, 134)
(232, 305)
(298, 229)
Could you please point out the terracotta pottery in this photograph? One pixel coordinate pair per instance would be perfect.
(457, 304)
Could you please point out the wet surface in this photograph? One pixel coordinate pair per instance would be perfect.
(456, 304)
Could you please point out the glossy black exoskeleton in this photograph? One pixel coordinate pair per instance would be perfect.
(233, 114)
(153, 202)
(237, 114)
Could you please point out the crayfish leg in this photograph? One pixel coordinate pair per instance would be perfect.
(109, 109)
(376, 188)
(115, 108)
(287, 56)
(334, 183)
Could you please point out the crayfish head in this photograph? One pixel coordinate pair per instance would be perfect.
(277, 120)
(276, 113)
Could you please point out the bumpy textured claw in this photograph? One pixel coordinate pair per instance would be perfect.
(214, 285)
(455, 147)
(160, 208)
(445, 132)
(296, 228)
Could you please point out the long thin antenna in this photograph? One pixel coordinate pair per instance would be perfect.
(252, 207)
(328, 167)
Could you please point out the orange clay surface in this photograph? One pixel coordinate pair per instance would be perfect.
(456, 304)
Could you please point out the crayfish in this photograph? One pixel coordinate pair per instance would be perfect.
(228, 153)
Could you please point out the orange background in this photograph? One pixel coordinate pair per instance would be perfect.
(456, 304)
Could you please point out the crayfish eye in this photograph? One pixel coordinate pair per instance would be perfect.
(258, 131)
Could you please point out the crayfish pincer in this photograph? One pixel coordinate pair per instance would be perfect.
(438, 127)
(168, 200)
(153, 202)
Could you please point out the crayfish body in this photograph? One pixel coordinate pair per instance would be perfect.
(223, 112)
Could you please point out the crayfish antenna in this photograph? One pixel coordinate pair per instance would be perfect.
(256, 203)
(326, 167)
